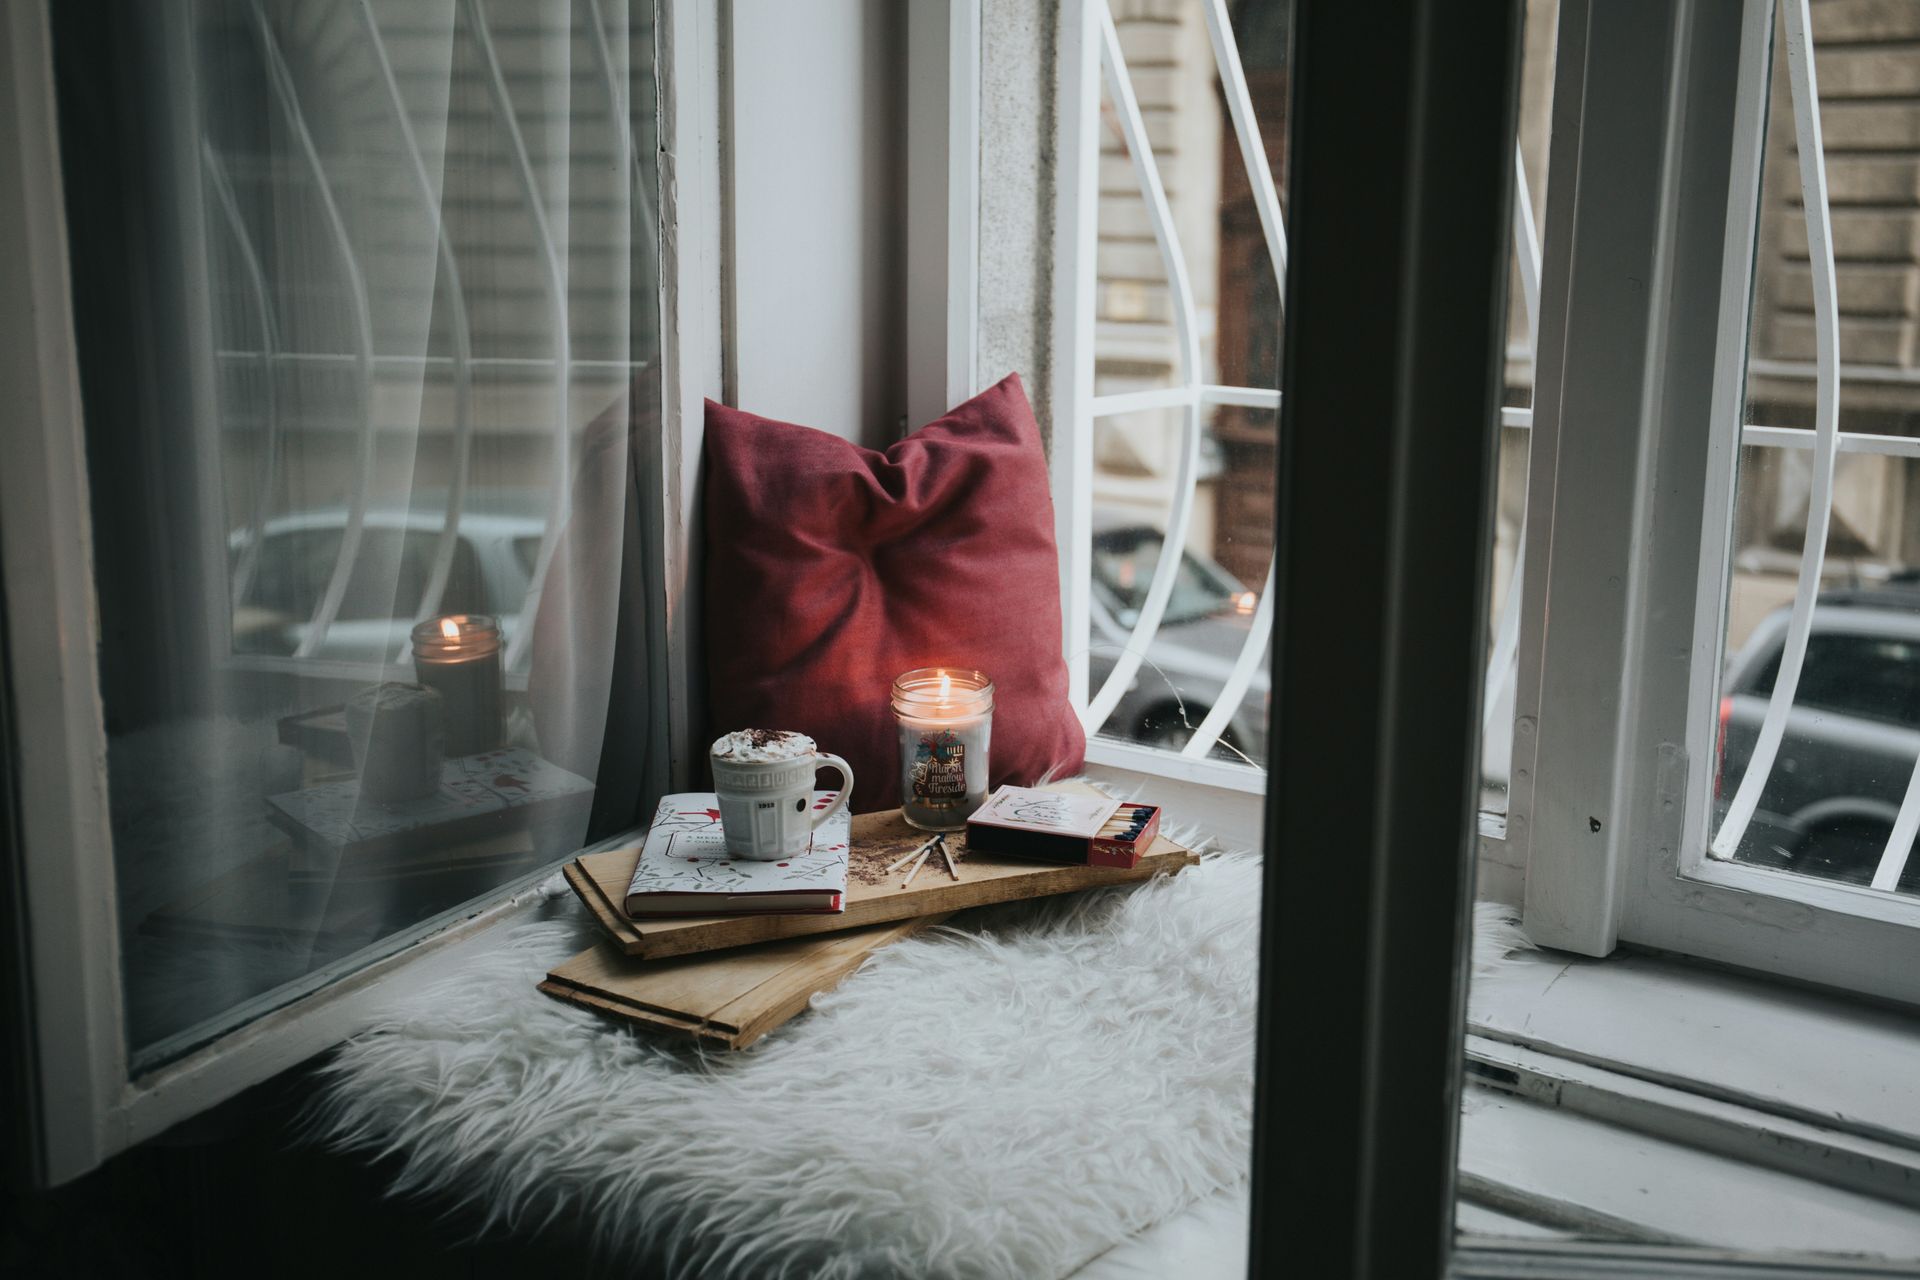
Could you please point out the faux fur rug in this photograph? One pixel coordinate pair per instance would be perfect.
(1007, 1098)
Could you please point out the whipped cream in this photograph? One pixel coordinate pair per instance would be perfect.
(762, 745)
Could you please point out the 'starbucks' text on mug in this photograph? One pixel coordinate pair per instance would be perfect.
(764, 781)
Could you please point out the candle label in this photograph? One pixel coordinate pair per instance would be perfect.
(939, 777)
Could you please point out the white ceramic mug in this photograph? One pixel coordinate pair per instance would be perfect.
(764, 780)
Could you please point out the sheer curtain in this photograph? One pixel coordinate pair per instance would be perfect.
(367, 295)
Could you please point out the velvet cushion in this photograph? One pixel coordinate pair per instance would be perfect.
(832, 568)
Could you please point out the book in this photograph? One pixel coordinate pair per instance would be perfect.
(875, 895)
(479, 796)
(685, 868)
(1025, 822)
(726, 1000)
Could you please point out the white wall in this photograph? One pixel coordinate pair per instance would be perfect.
(816, 298)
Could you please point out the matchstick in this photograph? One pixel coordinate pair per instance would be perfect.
(914, 870)
(908, 856)
(947, 854)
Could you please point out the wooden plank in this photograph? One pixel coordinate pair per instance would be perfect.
(723, 1001)
(873, 895)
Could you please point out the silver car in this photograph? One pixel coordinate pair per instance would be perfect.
(492, 564)
(1851, 738)
(1208, 617)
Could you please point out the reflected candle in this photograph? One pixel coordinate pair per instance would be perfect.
(946, 719)
(458, 657)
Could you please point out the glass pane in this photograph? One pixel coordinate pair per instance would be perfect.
(1136, 342)
(1237, 306)
(1236, 317)
(1617, 1098)
(1210, 610)
(347, 338)
(1847, 751)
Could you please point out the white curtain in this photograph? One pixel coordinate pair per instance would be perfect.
(403, 338)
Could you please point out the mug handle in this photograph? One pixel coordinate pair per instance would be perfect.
(827, 760)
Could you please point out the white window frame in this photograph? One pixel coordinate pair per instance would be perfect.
(1637, 421)
(86, 1104)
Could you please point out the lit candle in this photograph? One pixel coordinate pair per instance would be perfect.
(458, 656)
(946, 720)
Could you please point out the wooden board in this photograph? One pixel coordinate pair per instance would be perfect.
(873, 897)
(722, 1001)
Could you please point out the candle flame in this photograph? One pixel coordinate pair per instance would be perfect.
(1246, 602)
(449, 628)
(946, 687)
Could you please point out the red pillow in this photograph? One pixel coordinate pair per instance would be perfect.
(831, 569)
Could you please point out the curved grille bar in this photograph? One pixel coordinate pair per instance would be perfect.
(1813, 192)
(1174, 544)
(449, 538)
(269, 347)
(623, 133)
(1233, 82)
(283, 89)
(562, 340)
(1252, 649)
(1266, 199)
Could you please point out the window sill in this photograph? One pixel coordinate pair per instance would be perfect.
(1719, 1091)
(1158, 762)
(1231, 814)
(308, 1024)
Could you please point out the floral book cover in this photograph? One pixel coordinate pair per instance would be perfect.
(685, 869)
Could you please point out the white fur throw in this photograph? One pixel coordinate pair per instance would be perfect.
(1009, 1098)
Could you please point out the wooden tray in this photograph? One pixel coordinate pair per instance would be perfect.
(873, 897)
(723, 1002)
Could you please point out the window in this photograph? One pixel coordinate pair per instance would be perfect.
(347, 321)
(1166, 484)
(386, 586)
(1124, 560)
(1175, 411)
(1864, 675)
(1715, 719)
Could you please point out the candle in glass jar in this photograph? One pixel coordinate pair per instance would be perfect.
(946, 720)
(458, 657)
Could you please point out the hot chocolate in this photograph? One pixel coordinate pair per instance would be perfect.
(763, 780)
(762, 745)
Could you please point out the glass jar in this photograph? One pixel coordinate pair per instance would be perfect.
(458, 656)
(945, 717)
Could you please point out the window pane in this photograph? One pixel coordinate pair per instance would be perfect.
(1139, 453)
(1139, 444)
(1848, 744)
(358, 291)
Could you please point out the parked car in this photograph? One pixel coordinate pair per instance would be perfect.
(1851, 738)
(1206, 622)
(492, 565)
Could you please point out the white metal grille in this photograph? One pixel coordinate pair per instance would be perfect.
(1194, 397)
(1827, 442)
